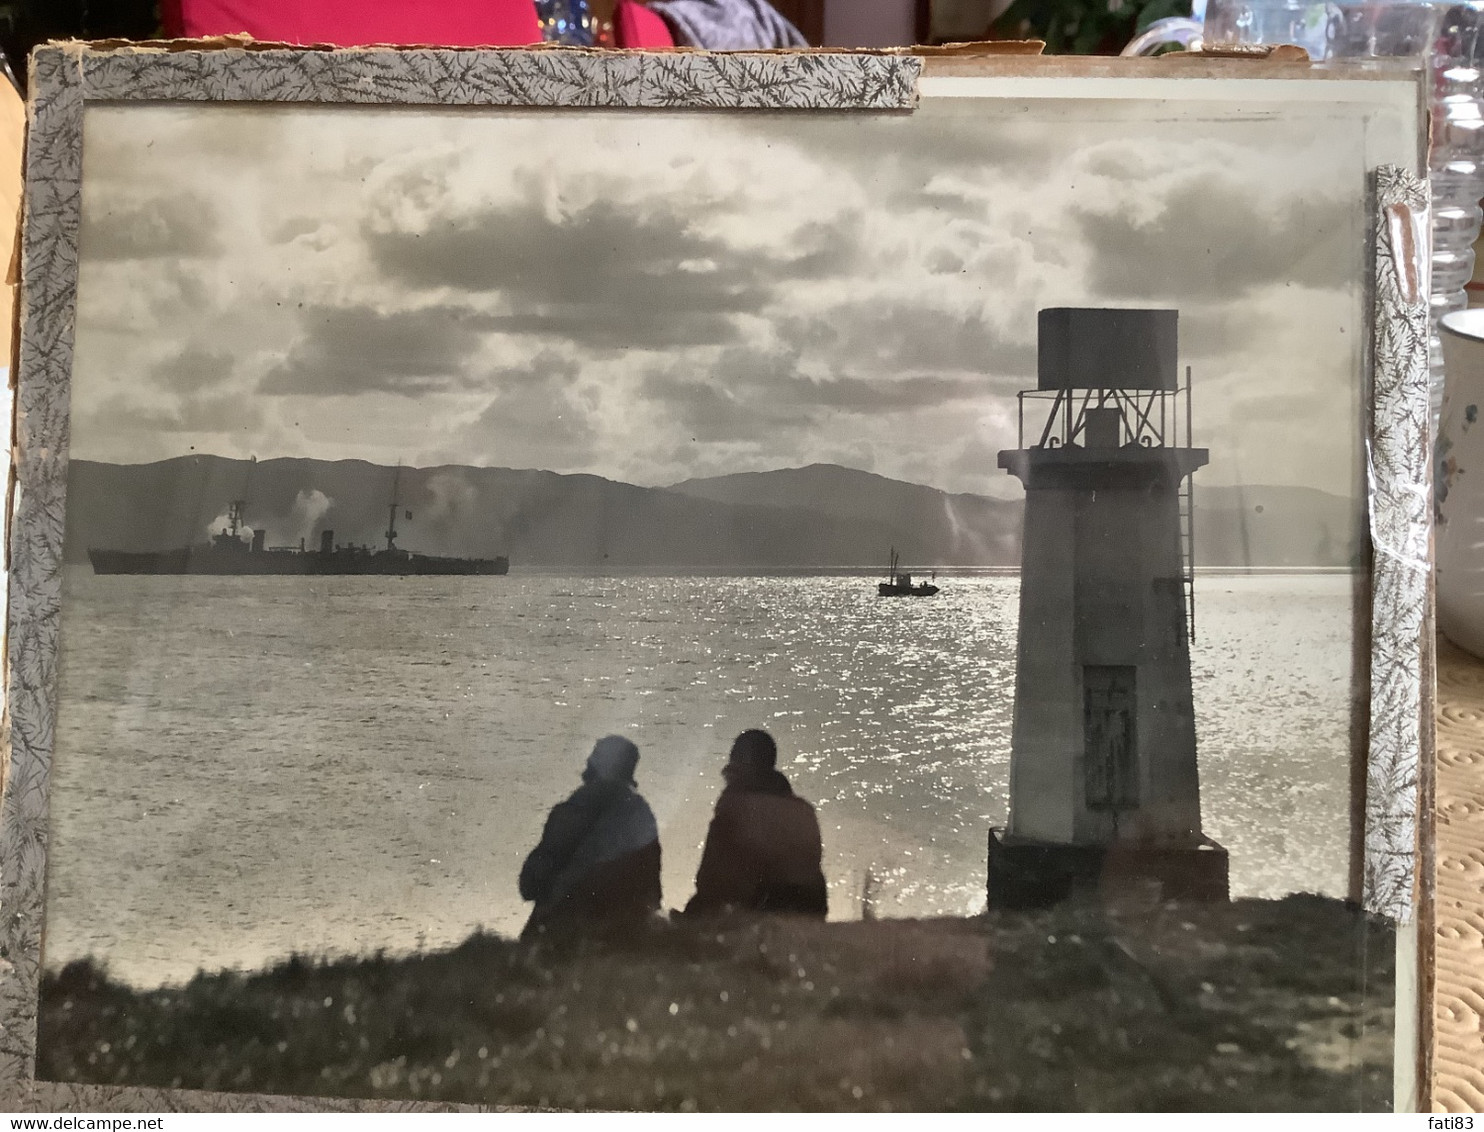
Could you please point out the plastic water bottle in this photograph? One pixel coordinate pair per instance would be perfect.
(1445, 39)
(1455, 167)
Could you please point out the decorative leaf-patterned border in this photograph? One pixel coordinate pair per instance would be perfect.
(64, 77)
(49, 276)
(1401, 536)
(690, 80)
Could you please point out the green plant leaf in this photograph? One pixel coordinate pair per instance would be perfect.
(1082, 26)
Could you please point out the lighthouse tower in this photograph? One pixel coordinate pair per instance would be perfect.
(1103, 776)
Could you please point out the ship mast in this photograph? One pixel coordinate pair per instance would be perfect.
(236, 510)
(391, 518)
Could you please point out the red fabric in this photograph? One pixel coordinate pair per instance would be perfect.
(349, 23)
(636, 26)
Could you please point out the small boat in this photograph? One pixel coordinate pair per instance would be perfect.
(899, 584)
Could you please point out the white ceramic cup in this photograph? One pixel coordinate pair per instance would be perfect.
(1458, 482)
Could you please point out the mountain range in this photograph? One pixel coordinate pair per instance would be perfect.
(817, 517)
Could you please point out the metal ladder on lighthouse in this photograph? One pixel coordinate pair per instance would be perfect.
(1187, 551)
(1187, 520)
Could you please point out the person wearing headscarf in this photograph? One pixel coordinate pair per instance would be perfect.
(597, 868)
(763, 851)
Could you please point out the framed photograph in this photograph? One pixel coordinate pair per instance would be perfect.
(716, 582)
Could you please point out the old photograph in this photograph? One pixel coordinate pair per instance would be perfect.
(698, 610)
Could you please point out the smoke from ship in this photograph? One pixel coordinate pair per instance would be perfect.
(454, 499)
(308, 513)
(224, 522)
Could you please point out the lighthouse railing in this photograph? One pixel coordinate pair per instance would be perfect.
(1151, 417)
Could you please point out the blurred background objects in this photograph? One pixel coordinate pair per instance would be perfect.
(1101, 26)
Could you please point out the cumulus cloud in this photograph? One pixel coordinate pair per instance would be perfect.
(711, 411)
(537, 417)
(896, 155)
(193, 369)
(896, 335)
(1213, 239)
(193, 413)
(626, 323)
(290, 229)
(183, 225)
(750, 393)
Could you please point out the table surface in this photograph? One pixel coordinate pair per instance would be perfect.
(1458, 1001)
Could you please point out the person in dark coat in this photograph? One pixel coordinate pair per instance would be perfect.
(597, 869)
(763, 849)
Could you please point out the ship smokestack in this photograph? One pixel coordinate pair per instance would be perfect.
(259, 537)
(326, 542)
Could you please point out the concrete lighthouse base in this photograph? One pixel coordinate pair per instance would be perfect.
(1036, 874)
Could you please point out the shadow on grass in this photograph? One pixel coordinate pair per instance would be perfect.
(1282, 1005)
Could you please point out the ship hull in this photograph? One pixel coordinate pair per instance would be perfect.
(887, 589)
(205, 560)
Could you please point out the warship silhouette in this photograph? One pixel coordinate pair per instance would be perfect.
(229, 552)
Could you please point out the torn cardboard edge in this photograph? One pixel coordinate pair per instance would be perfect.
(1005, 58)
(244, 42)
(969, 49)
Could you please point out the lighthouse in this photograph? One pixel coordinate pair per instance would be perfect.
(1104, 784)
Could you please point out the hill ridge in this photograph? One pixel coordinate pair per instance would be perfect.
(816, 516)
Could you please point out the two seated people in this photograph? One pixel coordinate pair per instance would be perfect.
(597, 868)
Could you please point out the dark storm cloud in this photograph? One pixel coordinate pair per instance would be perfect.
(352, 350)
(194, 369)
(1212, 240)
(753, 394)
(585, 257)
(185, 225)
(610, 274)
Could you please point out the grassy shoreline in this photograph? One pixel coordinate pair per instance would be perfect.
(1280, 1005)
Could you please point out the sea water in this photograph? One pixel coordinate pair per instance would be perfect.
(250, 767)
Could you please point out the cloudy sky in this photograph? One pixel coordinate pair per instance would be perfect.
(651, 297)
